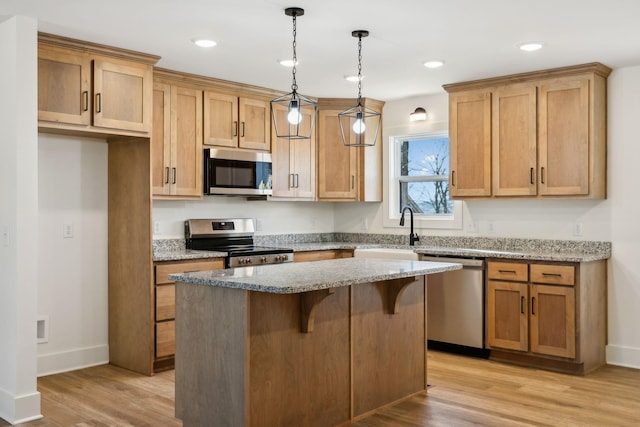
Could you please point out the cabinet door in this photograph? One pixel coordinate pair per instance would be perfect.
(255, 124)
(220, 119)
(514, 141)
(563, 142)
(507, 323)
(122, 95)
(161, 140)
(337, 164)
(470, 144)
(304, 161)
(186, 142)
(63, 86)
(282, 157)
(553, 321)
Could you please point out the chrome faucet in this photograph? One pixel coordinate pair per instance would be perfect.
(413, 237)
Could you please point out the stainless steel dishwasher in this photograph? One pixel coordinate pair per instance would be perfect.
(455, 306)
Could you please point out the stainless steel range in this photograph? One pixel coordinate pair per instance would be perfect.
(234, 236)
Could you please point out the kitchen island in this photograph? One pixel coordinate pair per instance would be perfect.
(300, 344)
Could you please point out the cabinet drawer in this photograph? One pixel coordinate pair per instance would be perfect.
(514, 272)
(165, 302)
(553, 274)
(165, 338)
(164, 270)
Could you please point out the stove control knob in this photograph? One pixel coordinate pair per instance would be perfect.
(263, 259)
(248, 260)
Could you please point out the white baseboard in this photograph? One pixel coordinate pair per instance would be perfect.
(55, 363)
(19, 409)
(623, 356)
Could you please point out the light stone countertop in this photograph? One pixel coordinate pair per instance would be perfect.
(181, 254)
(290, 278)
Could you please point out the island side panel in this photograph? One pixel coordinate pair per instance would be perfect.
(211, 349)
(296, 378)
(389, 350)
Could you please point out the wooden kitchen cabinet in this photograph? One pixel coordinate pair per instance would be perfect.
(176, 142)
(346, 173)
(236, 121)
(470, 143)
(548, 134)
(320, 255)
(84, 87)
(547, 315)
(165, 306)
(294, 161)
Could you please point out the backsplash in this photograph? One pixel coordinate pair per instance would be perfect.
(494, 243)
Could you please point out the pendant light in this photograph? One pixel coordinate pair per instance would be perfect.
(357, 120)
(294, 102)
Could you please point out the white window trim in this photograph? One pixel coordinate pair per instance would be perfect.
(391, 218)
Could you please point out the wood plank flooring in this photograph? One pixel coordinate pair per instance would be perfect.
(464, 392)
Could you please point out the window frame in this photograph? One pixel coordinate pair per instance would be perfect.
(391, 217)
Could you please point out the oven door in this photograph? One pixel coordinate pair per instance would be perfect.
(237, 173)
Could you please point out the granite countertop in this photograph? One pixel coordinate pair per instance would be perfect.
(523, 254)
(181, 254)
(290, 278)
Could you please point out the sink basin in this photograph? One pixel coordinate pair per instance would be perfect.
(388, 253)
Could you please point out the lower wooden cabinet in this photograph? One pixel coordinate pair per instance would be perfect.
(322, 255)
(547, 315)
(165, 306)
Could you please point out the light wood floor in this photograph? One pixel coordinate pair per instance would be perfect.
(464, 392)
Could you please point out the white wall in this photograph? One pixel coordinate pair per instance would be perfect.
(19, 398)
(614, 219)
(73, 271)
(273, 217)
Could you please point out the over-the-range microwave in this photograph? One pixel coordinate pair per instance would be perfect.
(239, 173)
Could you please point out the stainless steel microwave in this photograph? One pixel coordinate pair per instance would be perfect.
(239, 173)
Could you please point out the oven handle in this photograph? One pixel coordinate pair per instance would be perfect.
(467, 263)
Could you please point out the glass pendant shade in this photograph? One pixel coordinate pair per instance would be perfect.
(295, 104)
(359, 125)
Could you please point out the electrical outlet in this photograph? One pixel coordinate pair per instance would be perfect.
(67, 230)
(312, 222)
(259, 224)
(492, 227)
(5, 236)
(577, 229)
(364, 223)
(472, 226)
(156, 227)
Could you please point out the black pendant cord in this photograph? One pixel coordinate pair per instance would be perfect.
(294, 83)
(359, 69)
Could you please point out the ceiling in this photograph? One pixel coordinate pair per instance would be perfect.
(476, 39)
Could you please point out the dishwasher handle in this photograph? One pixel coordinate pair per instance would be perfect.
(466, 262)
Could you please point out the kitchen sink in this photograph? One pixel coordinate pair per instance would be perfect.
(388, 253)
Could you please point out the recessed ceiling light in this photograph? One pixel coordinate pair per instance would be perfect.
(530, 46)
(287, 62)
(353, 79)
(434, 64)
(204, 42)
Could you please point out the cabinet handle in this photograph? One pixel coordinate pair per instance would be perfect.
(291, 180)
(507, 271)
(453, 178)
(167, 180)
(542, 175)
(235, 128)
(353, 182)
(521, 305)
(85, 100)
(297, 181)
(552, 274)
(242, 129)
(98, 103)
(533, 302)
(531, 176)
(174, 175)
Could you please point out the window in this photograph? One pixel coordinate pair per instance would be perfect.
(419, 178)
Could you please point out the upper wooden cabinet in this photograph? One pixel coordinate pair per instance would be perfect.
(89, 88)
(237, 122)
(176, 142)
(470, 143)
(547, 134)
(294, 161)
(346, 173)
